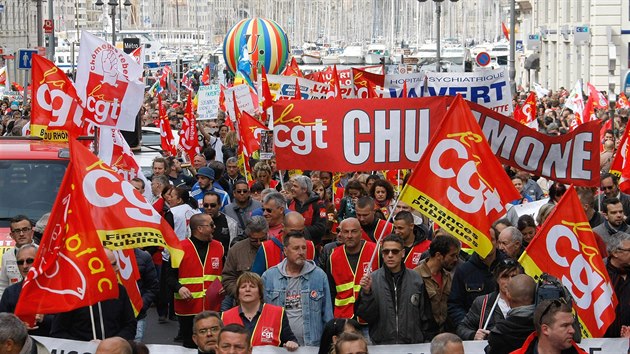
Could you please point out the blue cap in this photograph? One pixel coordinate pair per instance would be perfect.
(206, 172)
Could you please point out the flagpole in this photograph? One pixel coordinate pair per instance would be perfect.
(491, 311)
(93, 324)
(391, 215)
(281, 179)
(100, 317)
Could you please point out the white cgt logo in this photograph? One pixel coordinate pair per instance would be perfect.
(476, 198)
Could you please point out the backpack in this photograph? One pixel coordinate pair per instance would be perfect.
(550, 288)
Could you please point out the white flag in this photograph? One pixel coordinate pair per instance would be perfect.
(575, 101)
(540, 91)
(109, 83)
(115, 152)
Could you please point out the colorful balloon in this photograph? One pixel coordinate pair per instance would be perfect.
(267, 44)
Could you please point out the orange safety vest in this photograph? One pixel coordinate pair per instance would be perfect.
(272, 250)
(347, 280)
(198, 276)
(268, 326)
(380, 225)
(413, 257)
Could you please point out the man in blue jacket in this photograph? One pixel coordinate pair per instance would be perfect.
(302, 289)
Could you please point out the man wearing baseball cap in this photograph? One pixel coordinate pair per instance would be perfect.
(205, 178)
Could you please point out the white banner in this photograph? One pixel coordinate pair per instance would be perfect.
(247, 101)
(592, 345)
(283, 87)
(394, 84)
(530, 208)
(109, 83)
(489, 88)
(208, 102)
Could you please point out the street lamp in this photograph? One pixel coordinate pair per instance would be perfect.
(113, 4)
(438, 12)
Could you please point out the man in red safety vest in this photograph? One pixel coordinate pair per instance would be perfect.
(347, 265)
(201, 265)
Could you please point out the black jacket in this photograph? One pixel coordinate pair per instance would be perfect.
(148, 283)
(397, 311)
(475, 319)
(118, 319)
(509, 334)
(471, 279)
(621, 287)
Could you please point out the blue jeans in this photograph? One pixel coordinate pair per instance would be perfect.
(142, 325)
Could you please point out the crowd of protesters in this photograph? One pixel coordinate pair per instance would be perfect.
(287, 254)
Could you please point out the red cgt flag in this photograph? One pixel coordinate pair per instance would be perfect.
(249, 132)
(121, 216)
(620, 165)
(506, 31)
(56, 114)
(526, 115)
(622, 102)
(334, 86)
(167, 140)
(298, 91)
(188, 134)
(205, 77)
(293, 69)
(71, 269)
(565, 247)
(458, 182)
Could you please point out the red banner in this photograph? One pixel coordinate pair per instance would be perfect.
(56, 113)
(459, 183)
(71, 269)
(387, 134)
(167, 140)
(188, 134)
(565, 248)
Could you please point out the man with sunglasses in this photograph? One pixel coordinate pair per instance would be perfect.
(225, 228)
(22, 234)
(243, 205)
(201, 265)
(25, 259)
(609, 185)
(553, 321)
(394, 301)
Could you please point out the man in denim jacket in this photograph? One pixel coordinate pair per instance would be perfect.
(302, 289)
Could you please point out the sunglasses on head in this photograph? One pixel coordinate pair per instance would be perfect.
(210, 205)
(553, 303)
(27, 261)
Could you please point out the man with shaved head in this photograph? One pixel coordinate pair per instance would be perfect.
(510, 333)
(271, 252)
(114, 345)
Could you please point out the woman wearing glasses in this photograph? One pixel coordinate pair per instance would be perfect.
(486, 310)
(268, 323)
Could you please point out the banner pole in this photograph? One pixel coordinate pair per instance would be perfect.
(391, 215)
(93, 324)
(100, 317)
(281, 179)
(491, 311)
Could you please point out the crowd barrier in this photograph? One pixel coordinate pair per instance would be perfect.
(591, 346)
